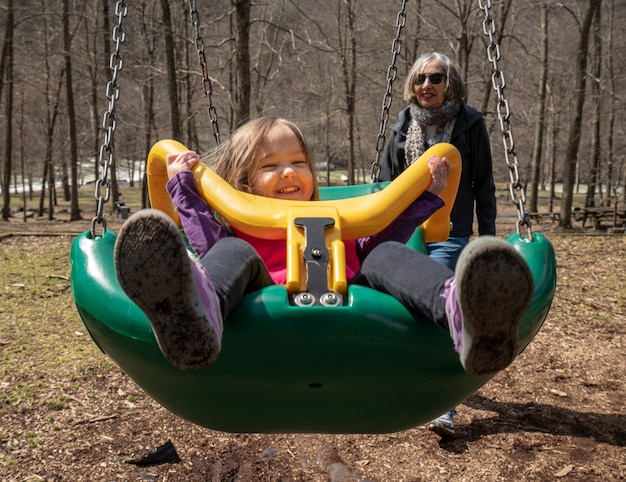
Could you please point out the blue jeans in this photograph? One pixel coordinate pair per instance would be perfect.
(447, 252)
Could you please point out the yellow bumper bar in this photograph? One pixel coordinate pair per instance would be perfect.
(270, 218)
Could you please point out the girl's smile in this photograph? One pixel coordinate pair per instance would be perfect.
(282, 170)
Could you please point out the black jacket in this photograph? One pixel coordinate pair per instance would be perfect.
(470, 137)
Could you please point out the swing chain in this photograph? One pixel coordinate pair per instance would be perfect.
(517, 189)
(206, 81)
(392, 73)
(106, 156)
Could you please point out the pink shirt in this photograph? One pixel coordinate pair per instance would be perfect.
(203, 230)
(273, 253)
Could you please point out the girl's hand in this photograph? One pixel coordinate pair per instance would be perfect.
(439, 172)
(180, 162)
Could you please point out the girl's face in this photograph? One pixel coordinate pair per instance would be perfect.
(282, 170)
(430, 93)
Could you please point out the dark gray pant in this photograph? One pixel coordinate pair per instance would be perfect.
(393, 268)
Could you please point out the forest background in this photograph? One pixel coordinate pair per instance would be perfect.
(88, 87)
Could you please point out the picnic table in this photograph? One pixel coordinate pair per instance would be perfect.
(616, 216)
(537, 216)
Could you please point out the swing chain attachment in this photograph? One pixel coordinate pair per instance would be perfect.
(392, 74)
(106, 156)
(206, 80)
(517, 189)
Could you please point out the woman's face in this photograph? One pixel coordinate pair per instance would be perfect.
(430, 85)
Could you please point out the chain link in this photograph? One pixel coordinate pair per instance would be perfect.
(206, 81)
(392, 73)
(517, 189)
(106, 156)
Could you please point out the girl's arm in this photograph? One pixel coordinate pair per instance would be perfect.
(403, 227)
(419, 211)
(196, 216)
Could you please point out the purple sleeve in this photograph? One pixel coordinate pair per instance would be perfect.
(196, 216)
(404, 225)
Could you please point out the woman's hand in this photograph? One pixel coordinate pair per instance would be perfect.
(439, 172)
(181, 162)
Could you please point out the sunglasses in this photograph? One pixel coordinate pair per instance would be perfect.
(435, 78)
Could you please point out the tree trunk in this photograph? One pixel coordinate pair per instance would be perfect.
(52, 113)
(347, 50)
(555, 136)
(242, 45)
(541, 112)
(71, 112)
(412, 57)
(22, 160)
(571, 156)
(148, 119)
(7, 75)
(596, 98)
(94, 69)
(191, 133)
(611, 187)
(171, 70)
(463, 47)
(268, 60)
(44, 180)
(149, 126)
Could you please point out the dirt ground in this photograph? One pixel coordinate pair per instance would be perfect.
(67, 413)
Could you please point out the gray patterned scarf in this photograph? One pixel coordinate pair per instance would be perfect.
(443, 117)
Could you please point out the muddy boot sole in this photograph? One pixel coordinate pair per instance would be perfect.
(495, 286)
(154, 270)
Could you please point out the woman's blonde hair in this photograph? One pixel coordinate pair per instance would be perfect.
(455, 87)
(235, 157)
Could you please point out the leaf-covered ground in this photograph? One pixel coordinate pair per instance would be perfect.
(67, 413)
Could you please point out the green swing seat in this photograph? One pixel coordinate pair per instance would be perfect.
(365, 367)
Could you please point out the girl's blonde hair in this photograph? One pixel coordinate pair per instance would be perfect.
(236, 157)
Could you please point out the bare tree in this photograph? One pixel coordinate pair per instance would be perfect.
(52, 101)
(71, 112)
(465, 35)
(612, 108)
(411, 54)
(575, 128)
(242, 70)
(554, 134)
(186, 86)
(541, 109)
(170, 50)
(347, 52)
(271, 51)
(92, 40)
(7, 76)
(596, 97)
(149, 44)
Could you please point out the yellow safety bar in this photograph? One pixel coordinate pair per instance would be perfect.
(270, 218)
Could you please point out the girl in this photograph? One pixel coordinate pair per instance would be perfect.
(186, 300)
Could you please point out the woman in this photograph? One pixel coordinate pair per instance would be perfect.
(437, 113)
